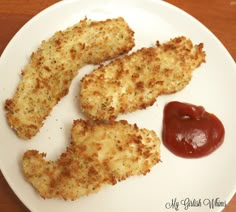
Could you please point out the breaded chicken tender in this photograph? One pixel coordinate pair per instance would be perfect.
(51, 69)
(136, 80)
(100, 154)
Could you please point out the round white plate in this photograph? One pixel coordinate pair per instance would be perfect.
(208, 181)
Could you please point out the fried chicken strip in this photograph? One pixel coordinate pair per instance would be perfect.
(135, 81)
(99, 154)
(51, 69)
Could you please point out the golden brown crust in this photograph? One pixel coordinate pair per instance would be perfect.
(48, 75)
(134, 81)
(100, 154)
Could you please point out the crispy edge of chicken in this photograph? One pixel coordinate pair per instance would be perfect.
(48, 75)
(135, 81)
(99, 154)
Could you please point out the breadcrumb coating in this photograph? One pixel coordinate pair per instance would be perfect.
(51, 69)
(99, 154)
(135, 81)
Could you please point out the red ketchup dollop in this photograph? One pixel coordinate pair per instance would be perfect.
(189, 131)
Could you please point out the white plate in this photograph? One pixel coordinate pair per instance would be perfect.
(175, 178)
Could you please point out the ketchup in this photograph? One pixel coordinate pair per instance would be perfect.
(189, 131)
